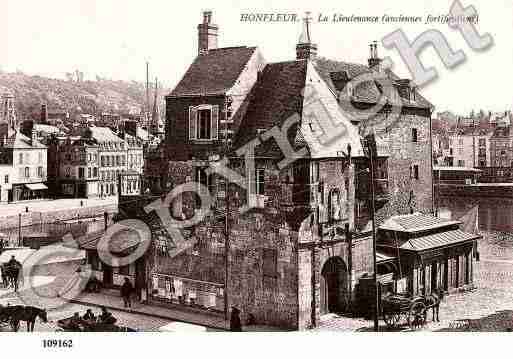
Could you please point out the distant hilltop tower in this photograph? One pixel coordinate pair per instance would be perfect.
(7, 114)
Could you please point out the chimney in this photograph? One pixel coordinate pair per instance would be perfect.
(130, 127)
(374, 60)
(305, 48)
(44, 114)
(207, 34)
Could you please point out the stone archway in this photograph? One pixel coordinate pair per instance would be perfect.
(334, 286)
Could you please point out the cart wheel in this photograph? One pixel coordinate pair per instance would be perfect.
(417, 315)
(391, 319)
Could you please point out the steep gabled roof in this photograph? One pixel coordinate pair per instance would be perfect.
(293, 90)
(276, 96)
(215, 72)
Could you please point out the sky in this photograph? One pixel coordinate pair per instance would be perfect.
(114, 39)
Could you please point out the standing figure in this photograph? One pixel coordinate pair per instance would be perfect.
(235, 325)
(126, 292)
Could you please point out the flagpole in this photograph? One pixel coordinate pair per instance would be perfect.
(370, 144)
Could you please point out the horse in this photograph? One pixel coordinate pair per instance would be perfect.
(20, 313)
(433, 301)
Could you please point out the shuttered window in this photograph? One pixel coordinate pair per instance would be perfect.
(204, 122)
(192, 122)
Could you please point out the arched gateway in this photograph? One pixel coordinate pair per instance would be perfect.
(334, 286)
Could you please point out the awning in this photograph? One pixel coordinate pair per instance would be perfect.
(35, 186)
(439, 240)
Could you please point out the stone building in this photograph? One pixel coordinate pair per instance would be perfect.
(283, 233)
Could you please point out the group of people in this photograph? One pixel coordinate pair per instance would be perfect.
(77, 323)
(11, 273)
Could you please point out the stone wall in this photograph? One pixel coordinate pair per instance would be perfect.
(406, 192)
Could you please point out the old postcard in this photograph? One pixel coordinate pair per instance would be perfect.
(255, 167)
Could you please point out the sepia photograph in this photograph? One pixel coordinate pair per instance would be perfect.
(272, 167)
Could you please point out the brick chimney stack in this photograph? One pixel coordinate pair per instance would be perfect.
(207, 34)
(374, 60)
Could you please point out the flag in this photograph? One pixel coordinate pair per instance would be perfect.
(470, 224)
(470, 221)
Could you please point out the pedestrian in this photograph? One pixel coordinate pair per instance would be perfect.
(235, 325)
(126, 292)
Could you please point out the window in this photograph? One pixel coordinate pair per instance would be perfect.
(414, 135)
(68, 171)
(334, 205)
(81, 172)
(461, 163)
(270, 262)
(482, 142)
(6, 179)
(102, 160)
(314, 172)
(21, 158)
(460, 141)
(118, 161)
(95, 172)
(40, 157)
(203, 122)
(27, 172)
(40, 171)
(89, 172)
(260, 181)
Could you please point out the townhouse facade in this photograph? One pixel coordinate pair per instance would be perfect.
(23, 159)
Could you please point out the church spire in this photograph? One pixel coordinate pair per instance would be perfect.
(305, 48)
(156, 125)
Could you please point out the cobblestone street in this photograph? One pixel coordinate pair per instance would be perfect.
(49, 281)
(489, 307)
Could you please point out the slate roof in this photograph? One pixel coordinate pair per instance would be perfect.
(437, 240)
(104, 134)
(215, 72)
(20, 141)
(416, 222)
(276, 97)
(366, 92)
(292, 90)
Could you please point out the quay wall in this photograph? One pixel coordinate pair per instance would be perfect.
(35, 217)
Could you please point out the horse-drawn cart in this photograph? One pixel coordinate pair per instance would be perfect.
(399, 309)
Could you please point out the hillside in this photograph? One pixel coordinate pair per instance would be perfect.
(75, 97)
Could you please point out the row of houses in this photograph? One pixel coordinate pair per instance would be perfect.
(474, 146)
(286, 233)
(40, 161)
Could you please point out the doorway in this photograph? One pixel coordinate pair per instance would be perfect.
(334, 286)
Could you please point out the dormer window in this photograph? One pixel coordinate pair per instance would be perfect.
(203, 122)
